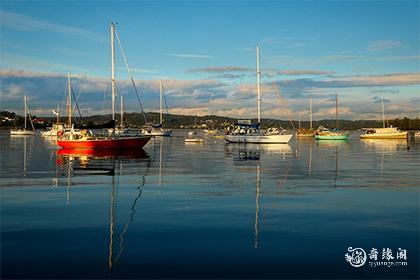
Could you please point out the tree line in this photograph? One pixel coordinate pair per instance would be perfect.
(10, 119)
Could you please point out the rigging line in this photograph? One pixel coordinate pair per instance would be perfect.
(131, 76)
(132, 214)
(30, 119)
(167, 111)
(75, 101)
(282, 102)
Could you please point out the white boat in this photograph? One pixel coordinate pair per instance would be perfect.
(52, 132)
(24, 131)
(417, 134)
(253, 133)
(384, 132)
(192, 137)
(158, 130)
(195, 139)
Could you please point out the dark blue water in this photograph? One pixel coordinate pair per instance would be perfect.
(210, 210)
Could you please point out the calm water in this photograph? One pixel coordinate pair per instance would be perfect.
(208, 210)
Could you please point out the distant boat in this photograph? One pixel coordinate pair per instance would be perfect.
(332, 134)
(307, 132)
(385, 132)
(24, 131)
(192, 137)
(86, 140)
(252, 133)
(54, 130)
(157, 129)
(417, 134)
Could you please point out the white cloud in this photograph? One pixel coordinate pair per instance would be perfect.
(378, 46)
(21, 22)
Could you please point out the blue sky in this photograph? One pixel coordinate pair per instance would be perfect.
(205, 53)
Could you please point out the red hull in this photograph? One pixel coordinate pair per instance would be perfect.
(105, 143)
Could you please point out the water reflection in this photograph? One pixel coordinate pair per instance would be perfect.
(106, 163)
(385, 145)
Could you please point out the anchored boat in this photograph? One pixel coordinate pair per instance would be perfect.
(385, 132)
(333, 134)
(24, 131)
(84, 139)
(252, 133)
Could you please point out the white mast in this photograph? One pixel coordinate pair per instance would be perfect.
(258, 86)
(69, 98)
(383, 113)
(121, 112)
(310, 112)
(24, 98)
(161, 101)
(113, 69)
(299, 120)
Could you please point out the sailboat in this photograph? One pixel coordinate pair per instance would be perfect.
(158, 130)
(85, 139)
(335, 134)
(24, 131)
(305, 132)
(252, 133)
(385, 132)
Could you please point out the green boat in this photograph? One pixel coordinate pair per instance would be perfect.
(332, 136)
(335, 134)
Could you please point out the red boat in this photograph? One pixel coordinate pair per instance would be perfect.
(105, 143)
(84, 139)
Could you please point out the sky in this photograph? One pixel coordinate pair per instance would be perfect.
(204, 52)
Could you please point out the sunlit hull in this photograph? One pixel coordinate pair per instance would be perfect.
(332, 137)
(158, 133)
(268, 139)
(22, 132)
(105, 143)
(194, 140)
(400, 135)
(305, 135)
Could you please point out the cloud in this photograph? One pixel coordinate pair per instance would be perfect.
(378, 99)
(21, 22)
(211, 96)
(220, 69)
(305, 72)
(378, 46)
(185, 55)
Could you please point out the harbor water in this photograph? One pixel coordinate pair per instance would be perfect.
(210, 209)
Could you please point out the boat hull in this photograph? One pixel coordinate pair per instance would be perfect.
(105, 143)
(402, 135)
(332, 137)
(267, 139)
(159, 133)
(22, 132)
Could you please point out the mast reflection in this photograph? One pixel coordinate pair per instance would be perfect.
(108, 163)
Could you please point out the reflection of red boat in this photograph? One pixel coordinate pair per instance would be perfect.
(132, 153)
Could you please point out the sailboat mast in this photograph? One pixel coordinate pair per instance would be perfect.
(310, 112)
(58, 113)
(336, 110)
(258, 86)
(121, 112)
(24, 98)
(113, 69)
(69, 98)
(161, 101)
(299, 120)
(383, 113)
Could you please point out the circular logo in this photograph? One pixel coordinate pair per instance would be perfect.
(356, 257)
